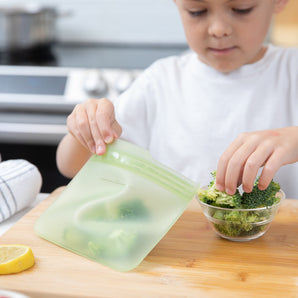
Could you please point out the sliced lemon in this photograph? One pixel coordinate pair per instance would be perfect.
(15, 258)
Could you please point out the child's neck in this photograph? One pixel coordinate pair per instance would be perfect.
(260, 55)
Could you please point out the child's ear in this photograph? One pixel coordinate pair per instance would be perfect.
(280, 5)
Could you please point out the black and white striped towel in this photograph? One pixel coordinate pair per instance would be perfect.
(20, 182)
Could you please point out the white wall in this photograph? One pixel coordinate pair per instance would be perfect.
(149, 21)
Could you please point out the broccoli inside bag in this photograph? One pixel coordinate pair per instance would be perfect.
(117, 208)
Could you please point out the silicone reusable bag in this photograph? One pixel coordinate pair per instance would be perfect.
(117, 208)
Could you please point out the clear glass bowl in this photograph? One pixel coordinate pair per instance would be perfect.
(240, 224)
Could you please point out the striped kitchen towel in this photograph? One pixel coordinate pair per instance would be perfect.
(20, 182)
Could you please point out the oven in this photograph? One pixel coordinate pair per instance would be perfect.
(40, 87)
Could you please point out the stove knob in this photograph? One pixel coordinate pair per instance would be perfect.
(123, 82)
(95, 85)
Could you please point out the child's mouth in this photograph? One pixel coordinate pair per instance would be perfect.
(222, 51)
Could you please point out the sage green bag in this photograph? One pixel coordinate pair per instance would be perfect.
(117, 208)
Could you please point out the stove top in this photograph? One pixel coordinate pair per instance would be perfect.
(40, 56)
(123, 56)
(41, 87)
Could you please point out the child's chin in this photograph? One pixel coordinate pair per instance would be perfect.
(223, 66)
(226, 68)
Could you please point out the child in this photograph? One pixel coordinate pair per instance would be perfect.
(187, 110)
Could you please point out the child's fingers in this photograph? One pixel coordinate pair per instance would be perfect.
(95, 137)
(236, 165)
(77, 124)
(270, 168)
(84, 126)
(253, 163)
(117, 129)
(105, 118)
(84, 133)
(249, 152)
(223, 163)
(93, 124)
(76, 134)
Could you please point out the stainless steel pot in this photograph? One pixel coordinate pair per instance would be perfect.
(26, 26)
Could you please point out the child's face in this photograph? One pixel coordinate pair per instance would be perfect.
(227, 34)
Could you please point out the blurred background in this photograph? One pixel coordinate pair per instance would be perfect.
(285, 26)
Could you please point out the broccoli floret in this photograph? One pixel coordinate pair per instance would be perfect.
(253, 217)
(234, 223)
(132, 209)
(219, 214)
(261, 198)
(228, 228)
(214, 197)
(227, 201)
(120, 243)
(233, 216)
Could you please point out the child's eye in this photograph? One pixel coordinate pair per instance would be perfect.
(243, 11)
(198, 13)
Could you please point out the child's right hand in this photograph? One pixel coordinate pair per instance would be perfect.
(93, 124)
(241, 161)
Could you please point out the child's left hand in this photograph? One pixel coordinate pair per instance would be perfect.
(240, 162)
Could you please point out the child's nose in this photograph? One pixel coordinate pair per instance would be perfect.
(219, 27)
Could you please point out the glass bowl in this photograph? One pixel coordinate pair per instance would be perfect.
(240, 224)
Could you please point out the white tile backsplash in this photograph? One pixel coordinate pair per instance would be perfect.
(143, 21)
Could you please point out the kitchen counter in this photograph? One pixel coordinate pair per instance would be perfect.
(190, 261)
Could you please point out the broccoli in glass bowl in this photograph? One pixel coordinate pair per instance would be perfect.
(240, 217)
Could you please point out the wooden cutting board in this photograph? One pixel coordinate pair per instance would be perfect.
(190, 261)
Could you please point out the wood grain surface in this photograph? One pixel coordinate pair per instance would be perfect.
(190, 261)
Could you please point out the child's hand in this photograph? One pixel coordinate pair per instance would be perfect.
(250, 151)
(93, 124)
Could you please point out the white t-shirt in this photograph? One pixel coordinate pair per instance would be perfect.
(187, 113)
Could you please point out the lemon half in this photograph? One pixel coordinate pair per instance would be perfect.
(15, 258)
